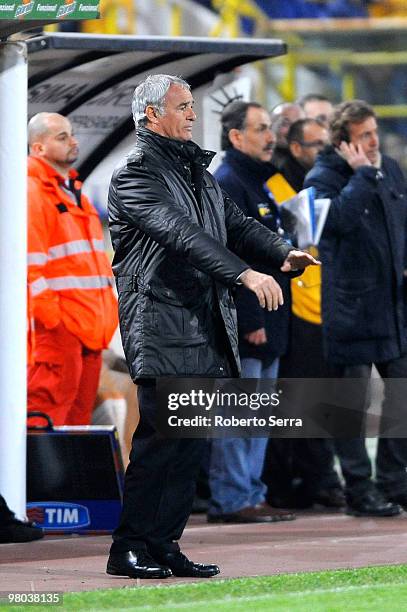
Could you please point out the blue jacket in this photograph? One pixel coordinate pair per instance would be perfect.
(243, 178)
(363, 251)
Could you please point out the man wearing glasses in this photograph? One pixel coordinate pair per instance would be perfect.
(306, 138)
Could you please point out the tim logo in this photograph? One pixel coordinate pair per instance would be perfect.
(66, 9)
(58, 515)
(25, 8)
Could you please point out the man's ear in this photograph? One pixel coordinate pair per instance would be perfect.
(295, 149)
(37, 149)
(151, 114)
(235, 137)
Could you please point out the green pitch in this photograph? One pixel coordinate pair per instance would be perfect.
(377, 589)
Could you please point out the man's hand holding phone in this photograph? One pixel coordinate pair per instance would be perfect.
(353, 154)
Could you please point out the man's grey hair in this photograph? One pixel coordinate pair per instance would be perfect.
(152, 92)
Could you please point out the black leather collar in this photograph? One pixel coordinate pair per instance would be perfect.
(174, 150)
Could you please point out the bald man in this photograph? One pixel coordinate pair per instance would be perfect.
(282, 117)
(71, 283)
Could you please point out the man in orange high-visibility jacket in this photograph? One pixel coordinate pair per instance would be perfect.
(69, 275)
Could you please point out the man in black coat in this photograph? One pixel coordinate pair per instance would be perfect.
(363, 250)
(238, 494)
(178, 245)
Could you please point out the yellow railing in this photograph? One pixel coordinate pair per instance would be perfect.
(120, 17)
(345, 63)
(230, 14)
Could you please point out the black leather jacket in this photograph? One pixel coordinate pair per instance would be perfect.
(178, 244)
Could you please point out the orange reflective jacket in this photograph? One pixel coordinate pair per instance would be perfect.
(30, 329)
(69, 273)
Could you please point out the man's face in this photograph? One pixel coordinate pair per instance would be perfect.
(59, 146)
(256, 139)
(366, 135)
(178, 117)
(281, 124)
(318, 109)
(314, 140)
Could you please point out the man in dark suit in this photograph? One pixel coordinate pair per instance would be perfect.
(363, 250)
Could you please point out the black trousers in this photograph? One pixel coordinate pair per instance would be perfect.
(5, 513)
(308, 461)
(159, 485)
(391, 458)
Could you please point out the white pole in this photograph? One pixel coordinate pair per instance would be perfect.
(13, 274)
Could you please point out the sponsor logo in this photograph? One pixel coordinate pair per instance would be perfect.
(24, 8)
(46, 8)
(58, 515)
(88, 8)
(7, 7)
(66, 9)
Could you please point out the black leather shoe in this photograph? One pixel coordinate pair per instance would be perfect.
(400, 499)
(372, 503)
(136, 564)
(19, 531)
(330, 498)
(181, 566)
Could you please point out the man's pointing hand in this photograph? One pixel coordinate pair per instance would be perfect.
(298, 260)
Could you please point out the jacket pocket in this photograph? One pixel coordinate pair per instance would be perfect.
(168, 296)
(175, 322)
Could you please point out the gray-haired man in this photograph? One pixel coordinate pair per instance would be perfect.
(178, 242)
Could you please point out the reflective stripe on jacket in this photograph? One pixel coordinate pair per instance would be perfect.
(30, 328)
(68, 270)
